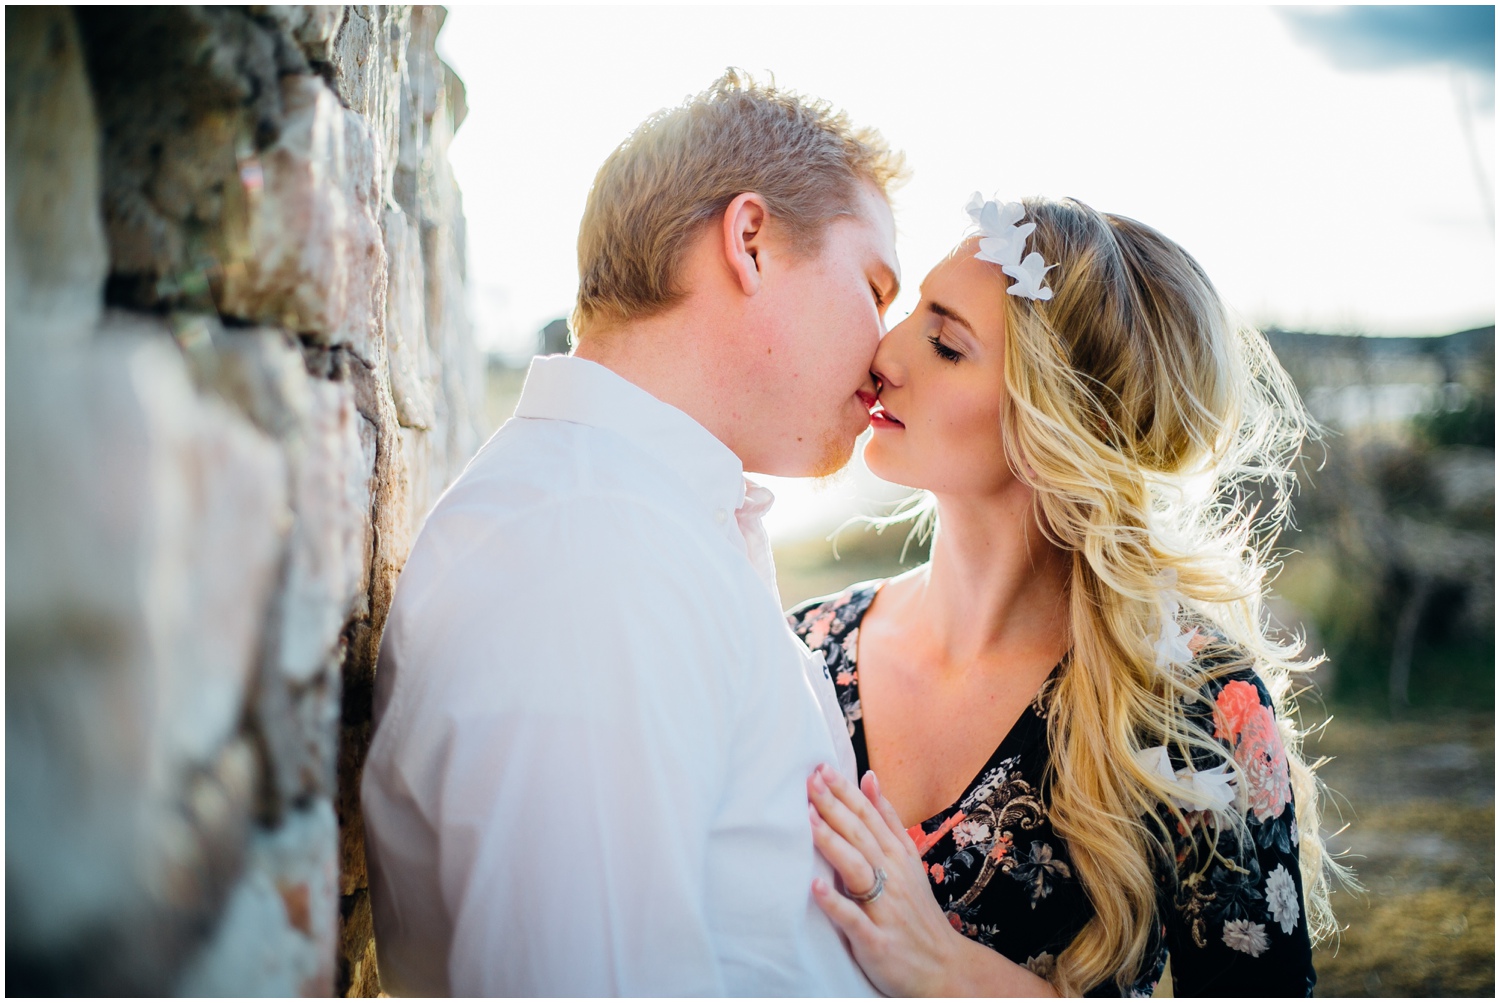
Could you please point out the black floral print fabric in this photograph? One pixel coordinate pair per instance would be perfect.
(1230, 907)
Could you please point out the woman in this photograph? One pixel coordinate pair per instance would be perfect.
(1075, 705)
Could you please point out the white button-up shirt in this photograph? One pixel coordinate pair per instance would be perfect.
(594, 727)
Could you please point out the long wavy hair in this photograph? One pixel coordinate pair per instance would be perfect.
(1161, 440)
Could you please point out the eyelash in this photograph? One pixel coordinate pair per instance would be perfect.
(943, 351)
(879, 299)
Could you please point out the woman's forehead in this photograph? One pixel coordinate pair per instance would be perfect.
(974, 288)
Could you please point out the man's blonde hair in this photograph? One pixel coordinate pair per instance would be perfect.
(680, 169)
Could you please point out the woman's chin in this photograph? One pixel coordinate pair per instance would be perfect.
(880, 463)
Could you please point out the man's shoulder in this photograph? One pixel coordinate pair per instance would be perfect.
(532, 464)
(542, 545)
(546, 502)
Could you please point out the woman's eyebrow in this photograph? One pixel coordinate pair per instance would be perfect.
(951, 314)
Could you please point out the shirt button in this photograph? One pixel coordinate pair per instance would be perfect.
(721, 516)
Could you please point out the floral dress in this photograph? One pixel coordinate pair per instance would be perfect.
(1232, 921)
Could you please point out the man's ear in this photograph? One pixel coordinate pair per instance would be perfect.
(743, 231)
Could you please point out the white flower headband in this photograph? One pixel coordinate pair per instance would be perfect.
(1002, 239)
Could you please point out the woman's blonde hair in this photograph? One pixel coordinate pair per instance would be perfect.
(1160, 439)
(682, 167)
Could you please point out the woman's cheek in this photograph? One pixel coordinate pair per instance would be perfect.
(978, 415)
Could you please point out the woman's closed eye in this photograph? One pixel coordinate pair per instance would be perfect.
(943, 351)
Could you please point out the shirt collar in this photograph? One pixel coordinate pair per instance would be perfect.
(567, 388)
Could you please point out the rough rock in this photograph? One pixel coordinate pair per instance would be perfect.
(280, 929)
(52, 182)
(213, 485)
(406, 327)
(427, 479)
(327, 566)
(314, 261)
(261, 371)
(368, 65)
(298, 726)
(192, 487)
(187, 96)
(129, 650)
(363, 326)
(311, 26)
(295, 272)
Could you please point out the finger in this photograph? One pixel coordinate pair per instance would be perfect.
(843, 819)
(854, 868)
(846, 915)
(870, 785)
(861, 805)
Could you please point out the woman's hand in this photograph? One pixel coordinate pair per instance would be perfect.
(901, 938)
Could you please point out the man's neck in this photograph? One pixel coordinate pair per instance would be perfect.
(666, 357)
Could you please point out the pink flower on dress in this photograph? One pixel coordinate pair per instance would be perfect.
(1001, 847)
(844, 678)
(1241, 719)
(1237, 703)
(927, 840)
(937, 873)
(818, 632)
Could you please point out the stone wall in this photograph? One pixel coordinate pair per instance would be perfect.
(238, 373)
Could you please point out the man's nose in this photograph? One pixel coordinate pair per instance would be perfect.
(885, 369)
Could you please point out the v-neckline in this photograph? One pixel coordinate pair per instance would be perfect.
(1028, 716)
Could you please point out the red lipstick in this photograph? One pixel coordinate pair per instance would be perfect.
(881, 418)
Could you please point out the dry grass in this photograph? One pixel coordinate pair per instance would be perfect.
(1419, 800)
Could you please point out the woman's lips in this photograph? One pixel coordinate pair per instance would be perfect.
(881, 418)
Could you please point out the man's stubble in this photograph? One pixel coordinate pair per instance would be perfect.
(836, 452)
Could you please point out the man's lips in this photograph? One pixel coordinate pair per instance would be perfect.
(879, 416)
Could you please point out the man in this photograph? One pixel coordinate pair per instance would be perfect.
(594, 727)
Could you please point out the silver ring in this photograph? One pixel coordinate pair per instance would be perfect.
(873, 893)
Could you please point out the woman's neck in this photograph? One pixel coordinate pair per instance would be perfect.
(996, 587)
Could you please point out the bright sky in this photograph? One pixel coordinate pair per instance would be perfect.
(1316, 198)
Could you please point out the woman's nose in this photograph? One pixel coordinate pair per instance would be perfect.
(887, 368)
